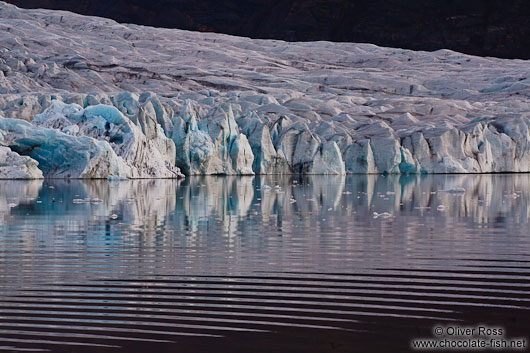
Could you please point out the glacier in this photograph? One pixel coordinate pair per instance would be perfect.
(68, 141)
(86, 97)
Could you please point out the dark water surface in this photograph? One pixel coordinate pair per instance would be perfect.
(225, 264)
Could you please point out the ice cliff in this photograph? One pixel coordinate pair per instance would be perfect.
(67, 141)
(85, 97)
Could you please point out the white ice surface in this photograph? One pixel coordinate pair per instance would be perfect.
(386, 110)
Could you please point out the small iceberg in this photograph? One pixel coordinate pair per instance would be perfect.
(454, 191)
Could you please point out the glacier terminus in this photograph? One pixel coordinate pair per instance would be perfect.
(86, 97)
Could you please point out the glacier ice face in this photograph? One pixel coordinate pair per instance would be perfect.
(96, 142)
(328, 160)
(359, 158)
(210, 145)
(210, 139)
(151, 155)
(266, 160)
(218, 104)
(15, 166)
(233, 154)
(60, 155)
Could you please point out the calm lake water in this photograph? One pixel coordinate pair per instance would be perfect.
(260, 264)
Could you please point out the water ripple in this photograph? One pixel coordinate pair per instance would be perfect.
(216, 262)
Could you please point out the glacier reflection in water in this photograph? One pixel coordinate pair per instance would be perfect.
(146, 260)
(309, 214)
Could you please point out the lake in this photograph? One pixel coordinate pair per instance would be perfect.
(261, 264)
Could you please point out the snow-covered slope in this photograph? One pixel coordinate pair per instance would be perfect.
(235, 105)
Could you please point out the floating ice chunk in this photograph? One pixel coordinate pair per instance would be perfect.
(382, 215)
(454, 191)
